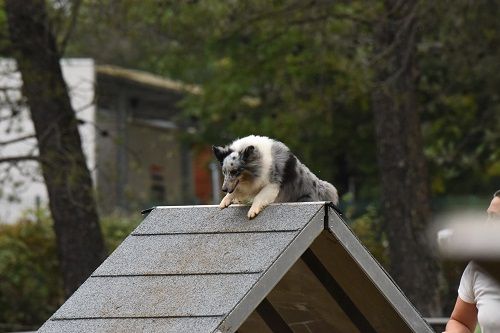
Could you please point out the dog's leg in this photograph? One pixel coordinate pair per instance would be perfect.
(226, 201)
(266, 196)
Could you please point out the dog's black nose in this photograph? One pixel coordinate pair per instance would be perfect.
(224, 189)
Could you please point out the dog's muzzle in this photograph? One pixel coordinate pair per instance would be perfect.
(229, 189)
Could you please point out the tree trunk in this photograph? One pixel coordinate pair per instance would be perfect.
(404, 178)
(72, 205)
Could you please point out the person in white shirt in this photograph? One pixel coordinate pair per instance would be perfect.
(478, 298)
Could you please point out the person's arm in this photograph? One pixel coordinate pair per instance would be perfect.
(463, 318)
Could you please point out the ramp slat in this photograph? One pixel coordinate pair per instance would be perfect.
(164, 325)
(196, 253)
(165, 220)
(157, 296)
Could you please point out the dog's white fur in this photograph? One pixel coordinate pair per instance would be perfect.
(279, 177)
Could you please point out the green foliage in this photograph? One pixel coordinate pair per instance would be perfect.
(30, 286)
(459, 89)
(3, 16)
(365, 222)
(115, 228)
(30, 283)
(295, 61)
(4, 40)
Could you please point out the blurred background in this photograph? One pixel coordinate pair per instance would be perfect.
(110, 107)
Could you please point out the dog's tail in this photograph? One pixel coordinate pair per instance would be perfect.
(329, 192)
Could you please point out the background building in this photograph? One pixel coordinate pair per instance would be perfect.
(130, 129)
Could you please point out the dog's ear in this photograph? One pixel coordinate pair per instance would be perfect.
(221, 153)
(248, 152)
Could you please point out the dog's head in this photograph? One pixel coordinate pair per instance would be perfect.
(234, 165)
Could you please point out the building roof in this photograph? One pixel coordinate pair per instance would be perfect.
(200, 269)
(160, 82)
(147, 79)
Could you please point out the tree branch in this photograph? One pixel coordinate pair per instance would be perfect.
(11, 141)
(15, 159)
(74, 14)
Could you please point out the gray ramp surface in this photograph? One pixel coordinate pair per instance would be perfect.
(199, 269)
(191, 269)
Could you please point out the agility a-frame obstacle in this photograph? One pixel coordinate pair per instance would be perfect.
(199, 269)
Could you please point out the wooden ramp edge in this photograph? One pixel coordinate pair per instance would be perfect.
(374, 301)
(192, 269)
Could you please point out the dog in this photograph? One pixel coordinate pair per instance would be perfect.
(260, 171)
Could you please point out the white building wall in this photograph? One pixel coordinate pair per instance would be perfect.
(22, 186)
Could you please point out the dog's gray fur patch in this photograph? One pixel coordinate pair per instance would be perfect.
(296, 182)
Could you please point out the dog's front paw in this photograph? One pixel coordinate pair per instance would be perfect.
(253, 212)
(225, 203)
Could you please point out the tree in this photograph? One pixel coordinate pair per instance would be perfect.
(79, 241)
(403, 170)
